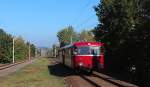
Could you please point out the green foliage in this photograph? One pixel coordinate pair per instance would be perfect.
(86, 36)
(124, 26)
(33, 49)
(6, 47)
(21, 49)
(117, 19)
(67, 36)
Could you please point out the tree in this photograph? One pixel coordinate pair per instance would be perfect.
(33, 49)
(86, 36)
(124, 28)
(117, 21)
(5, 47)
(142, 35)
(67, 36)
(21, 49)
(117, 18)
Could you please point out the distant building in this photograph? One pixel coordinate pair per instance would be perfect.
(42, 51)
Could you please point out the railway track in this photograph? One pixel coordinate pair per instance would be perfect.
(95, 80)
(113, 80)
(5, 66)
(101, 80)
(1, 65)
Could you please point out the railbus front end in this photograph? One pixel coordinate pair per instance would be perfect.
(89, 56)
(83, 56)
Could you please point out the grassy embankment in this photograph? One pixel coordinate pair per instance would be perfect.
(34, 75)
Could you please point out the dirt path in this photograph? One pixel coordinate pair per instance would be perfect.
(13, 69)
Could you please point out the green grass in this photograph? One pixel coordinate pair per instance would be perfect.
(34, 75)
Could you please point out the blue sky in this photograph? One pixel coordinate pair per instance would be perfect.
(38, 21)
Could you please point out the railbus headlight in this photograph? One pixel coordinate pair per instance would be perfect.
(80, 64)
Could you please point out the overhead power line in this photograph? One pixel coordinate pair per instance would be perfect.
(85, 21)
(81, 23)
(81, 12)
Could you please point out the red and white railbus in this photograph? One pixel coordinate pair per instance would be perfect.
(83, 55)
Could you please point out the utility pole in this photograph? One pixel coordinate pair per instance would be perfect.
(55, 51)
(13, 49)
(71, 39)
(29, 52)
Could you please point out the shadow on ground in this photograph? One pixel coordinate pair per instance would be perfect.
(64, 71)
(60, 70)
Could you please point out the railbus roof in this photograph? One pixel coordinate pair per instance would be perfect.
(77, 44)
(88, 44)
